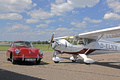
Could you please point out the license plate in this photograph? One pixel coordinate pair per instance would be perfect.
(30, 59)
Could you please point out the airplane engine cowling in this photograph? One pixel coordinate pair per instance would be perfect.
(54, 44)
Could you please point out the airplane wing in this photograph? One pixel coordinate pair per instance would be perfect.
(107, 33)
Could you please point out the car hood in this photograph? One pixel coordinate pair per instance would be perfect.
(29, 50)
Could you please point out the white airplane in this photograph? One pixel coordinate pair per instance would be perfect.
(85, 44)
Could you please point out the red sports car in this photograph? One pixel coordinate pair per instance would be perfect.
(24, 51)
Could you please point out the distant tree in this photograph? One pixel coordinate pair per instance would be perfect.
(38, 42)
(46, 42)
(34, 42)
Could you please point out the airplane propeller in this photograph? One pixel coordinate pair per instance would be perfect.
(51, 40)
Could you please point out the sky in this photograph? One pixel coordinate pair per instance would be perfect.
(35, 20)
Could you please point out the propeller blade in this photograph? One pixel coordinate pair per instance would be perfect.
(51, 40)
(48, 47)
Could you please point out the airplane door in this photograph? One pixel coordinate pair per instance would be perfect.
(78, 44)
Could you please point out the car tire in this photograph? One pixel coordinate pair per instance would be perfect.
(8, 59)
(38, 61)
(13, 61)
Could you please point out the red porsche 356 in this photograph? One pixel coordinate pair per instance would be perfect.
(24, 51)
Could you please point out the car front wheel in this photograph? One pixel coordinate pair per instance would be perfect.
(13, 61)
(38, 61)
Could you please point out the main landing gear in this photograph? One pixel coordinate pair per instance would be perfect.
(74, 58)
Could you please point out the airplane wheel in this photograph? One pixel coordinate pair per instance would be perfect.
(73, 60)
(87, 63)
(56, 61)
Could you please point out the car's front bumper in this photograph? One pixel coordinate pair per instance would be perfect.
(23, 58)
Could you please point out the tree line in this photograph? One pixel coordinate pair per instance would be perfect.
(40, 42)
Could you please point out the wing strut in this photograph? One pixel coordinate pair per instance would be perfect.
(94, 43)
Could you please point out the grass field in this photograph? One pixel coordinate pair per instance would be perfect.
(43, 47)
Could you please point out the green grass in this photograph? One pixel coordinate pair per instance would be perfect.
(4, 47)
(43, 47)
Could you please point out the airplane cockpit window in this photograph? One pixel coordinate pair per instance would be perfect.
(78, 41)
(82, 41)
(70, 39)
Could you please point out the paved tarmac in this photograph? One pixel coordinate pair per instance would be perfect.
(106, 67)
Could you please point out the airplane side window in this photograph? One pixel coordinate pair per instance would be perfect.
(80, 42)
(90, 40)
(87, 41)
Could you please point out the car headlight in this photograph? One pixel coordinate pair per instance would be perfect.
(17, 51)
(40, 52)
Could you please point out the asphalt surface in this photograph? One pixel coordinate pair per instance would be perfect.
(106, 67)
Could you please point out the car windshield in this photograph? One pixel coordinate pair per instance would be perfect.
(21, 43)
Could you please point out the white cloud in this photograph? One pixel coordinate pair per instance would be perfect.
(60, 25)
(78, 24)
(15, 5)
(11, 16)
(18, 26)
(39, 14)
(112, 16)
(114, 4)
(61, 29)
(42, 25)
(82, 3)
(49, 21)
(59, 1)
(75, 12)
(32, 20)
(61, 19)
(64, 31)
(60, 9)
(92, 20)
(69, 5)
